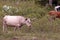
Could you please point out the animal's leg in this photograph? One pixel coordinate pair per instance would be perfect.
(15, 28)
(53, 17)
(49, 17)
(18, 27)
(4, 27)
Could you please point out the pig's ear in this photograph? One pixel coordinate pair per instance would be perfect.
(25, 19)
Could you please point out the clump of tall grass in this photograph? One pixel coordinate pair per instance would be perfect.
(28, 8)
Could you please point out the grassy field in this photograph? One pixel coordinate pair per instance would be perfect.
(42, 28)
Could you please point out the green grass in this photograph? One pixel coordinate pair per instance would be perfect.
(29, 36)
(42, 28)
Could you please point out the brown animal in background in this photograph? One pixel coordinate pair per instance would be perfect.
(54, 14)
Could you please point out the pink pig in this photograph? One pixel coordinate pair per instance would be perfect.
(15, 21)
